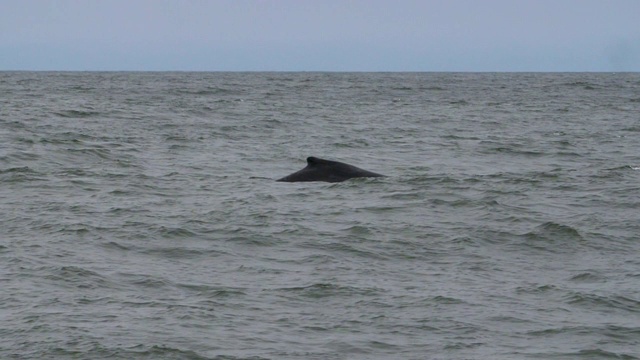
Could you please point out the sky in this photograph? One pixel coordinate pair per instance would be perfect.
(320, 35)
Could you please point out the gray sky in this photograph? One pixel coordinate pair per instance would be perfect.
(321, 35)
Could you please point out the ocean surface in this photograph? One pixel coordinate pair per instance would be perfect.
(140, 217)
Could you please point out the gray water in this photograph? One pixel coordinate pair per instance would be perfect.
(140, 219)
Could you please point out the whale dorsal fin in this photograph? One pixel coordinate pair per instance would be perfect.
(311, 161)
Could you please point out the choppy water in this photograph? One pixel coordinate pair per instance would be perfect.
(139, 218)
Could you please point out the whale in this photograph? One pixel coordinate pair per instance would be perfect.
(327, 170)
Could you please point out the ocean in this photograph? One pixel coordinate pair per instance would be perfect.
(140, 217)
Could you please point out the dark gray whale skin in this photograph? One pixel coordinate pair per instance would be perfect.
(326, 170)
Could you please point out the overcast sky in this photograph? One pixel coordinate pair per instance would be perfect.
(320, 35)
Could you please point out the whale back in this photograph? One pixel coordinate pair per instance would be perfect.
(327, 170)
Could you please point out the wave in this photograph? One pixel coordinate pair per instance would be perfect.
(20, 174)
(552, 237)
(606, 303)
(79, 277)
(322, 290)
(77, 114)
